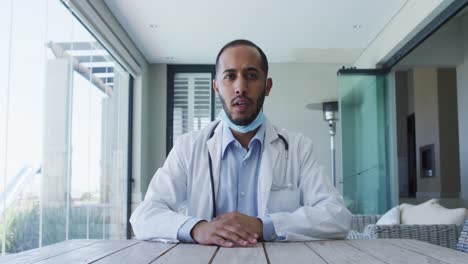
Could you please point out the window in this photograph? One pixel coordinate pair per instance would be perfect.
(192, 101)
(64, 113)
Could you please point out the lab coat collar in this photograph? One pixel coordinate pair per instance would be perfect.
(214, 148)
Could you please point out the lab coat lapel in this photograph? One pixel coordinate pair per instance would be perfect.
(214, 148)
(265, 175)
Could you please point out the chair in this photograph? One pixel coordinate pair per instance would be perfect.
(442, 235)
(463, 240)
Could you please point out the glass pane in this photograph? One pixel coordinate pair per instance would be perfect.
(56, 155)
(5, 19)
(23, 135)
(366, 182)
(63, 130)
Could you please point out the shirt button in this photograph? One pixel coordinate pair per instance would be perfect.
(242, 194)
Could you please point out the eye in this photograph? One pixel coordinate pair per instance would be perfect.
(229, 76)
(252, 75)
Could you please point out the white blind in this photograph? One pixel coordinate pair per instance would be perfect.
(192, 102)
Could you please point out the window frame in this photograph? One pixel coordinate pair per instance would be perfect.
(172, 70)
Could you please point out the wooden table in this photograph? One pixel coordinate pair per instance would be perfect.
(344, 251)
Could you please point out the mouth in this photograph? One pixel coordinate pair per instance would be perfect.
(241, 104)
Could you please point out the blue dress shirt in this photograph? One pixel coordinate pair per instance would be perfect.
(238, 183)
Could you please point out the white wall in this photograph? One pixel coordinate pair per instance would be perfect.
(295, 86)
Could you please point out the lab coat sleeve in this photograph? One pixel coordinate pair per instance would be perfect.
(322, 213)
(161, 214)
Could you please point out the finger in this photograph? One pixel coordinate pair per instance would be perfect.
(255, 235)
(251, 232)
(232, 236)
(242, 233)
(217, 240)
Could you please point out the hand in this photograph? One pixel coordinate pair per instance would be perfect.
(228, 229)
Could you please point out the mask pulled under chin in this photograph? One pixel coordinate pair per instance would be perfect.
(243, 129)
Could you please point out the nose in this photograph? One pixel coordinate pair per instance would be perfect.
(241, 86)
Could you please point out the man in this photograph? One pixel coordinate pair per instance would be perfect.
(241, 179)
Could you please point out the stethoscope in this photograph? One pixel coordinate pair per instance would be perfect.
(210, 164)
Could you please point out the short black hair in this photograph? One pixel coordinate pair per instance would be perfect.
(244, 42)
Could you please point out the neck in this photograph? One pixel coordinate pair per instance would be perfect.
(244, 138)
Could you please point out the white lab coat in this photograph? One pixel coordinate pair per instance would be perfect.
(292, 189)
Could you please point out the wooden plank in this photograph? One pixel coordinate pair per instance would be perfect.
(390, 253)
(143, 252)
(437, 252)
(340, 252)
(244, 255)
(91, 253)
(38, 254)
(188, 253)
(291, 253)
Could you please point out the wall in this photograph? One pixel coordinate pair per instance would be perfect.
(156, 122)
(294, 86)
(427, 125)
(437, 123)
(448, 131)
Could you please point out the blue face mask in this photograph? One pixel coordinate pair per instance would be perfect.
(243, 129)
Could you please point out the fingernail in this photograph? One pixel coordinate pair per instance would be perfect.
(255, 235)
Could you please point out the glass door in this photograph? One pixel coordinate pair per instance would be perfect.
(367, 183)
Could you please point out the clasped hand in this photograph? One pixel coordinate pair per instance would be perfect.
(228, 230)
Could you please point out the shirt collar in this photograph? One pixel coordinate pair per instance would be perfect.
(228, 138)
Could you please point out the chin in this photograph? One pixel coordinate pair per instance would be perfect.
(242, 120)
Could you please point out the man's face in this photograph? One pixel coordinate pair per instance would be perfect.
(241, 84)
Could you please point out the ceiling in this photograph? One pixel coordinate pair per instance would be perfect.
(314, 31)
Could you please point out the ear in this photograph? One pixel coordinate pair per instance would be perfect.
(215, 87)
(269, 84)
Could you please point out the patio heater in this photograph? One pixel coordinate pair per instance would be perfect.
(330, 115)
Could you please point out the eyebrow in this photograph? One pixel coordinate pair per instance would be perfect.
(252, 69)
(229, 71)
(246, 69)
